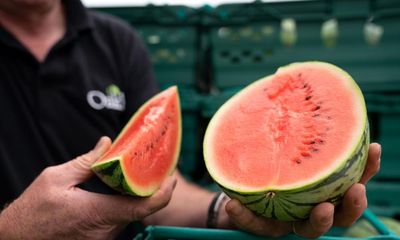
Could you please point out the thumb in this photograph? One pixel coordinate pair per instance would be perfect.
(78, 169)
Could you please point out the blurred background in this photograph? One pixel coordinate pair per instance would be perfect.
(211, 49)
(199, 3)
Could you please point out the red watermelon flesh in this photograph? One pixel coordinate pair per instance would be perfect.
(147, 149)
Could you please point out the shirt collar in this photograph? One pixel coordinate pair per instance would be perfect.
(77, 16)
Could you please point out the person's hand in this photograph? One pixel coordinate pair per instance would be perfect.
(323, 216)
(52, 207)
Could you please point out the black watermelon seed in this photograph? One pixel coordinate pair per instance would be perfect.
(308, 142)
(297, 160)
(308, 97)
(316, 108)
(305, 154)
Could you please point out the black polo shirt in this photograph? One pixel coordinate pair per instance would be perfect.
(88, 86)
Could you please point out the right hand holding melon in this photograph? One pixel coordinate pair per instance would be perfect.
(322, 217)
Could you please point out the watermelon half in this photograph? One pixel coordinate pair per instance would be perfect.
(290, 140)
(146, 151)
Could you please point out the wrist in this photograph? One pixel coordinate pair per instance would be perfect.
(217, 216)
(223, 220)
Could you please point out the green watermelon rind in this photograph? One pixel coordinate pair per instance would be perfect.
(282, 198)
(112, 174)
(121, 183)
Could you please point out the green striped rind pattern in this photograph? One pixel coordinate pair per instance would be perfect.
(111, 173)
(296, 204)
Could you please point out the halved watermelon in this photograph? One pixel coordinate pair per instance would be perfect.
(290, 141)
(146, 151)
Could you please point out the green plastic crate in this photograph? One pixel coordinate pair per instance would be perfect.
(161, 232)
(188, 161)
(190, 102)
(389, 138)
(383, 197)
(190, 147)
(245, 49)
(151, 14)
(259, 11)
(386, 108)
(240, 62)
(173, 54)
(212, 102)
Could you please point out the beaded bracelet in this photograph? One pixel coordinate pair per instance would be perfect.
(214, 208)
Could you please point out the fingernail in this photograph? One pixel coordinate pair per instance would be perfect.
(380, 151)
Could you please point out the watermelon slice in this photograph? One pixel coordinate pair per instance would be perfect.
(290, 141)
(147, 149)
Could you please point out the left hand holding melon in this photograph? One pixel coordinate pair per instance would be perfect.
(322, 217)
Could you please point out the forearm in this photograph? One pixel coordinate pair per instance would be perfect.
(188, 206)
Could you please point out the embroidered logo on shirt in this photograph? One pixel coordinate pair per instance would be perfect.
(113, 98)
